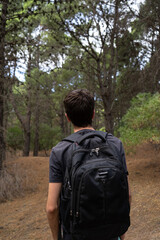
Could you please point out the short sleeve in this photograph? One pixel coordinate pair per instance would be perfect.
(55, 169)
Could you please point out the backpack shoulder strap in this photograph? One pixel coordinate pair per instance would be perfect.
(99, 134)
(79, 139)
(72, 138)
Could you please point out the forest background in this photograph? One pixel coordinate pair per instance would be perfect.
(49, 47)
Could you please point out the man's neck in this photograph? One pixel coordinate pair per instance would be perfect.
(76, 129)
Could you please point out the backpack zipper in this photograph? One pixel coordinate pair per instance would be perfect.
(80, 150)
(83, 175)
(79, 189)
(91, 151)
(105, 197)
(74, 170)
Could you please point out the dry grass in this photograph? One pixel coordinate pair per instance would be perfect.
(15, 181)
(25, 217)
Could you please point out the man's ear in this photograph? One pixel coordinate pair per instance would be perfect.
(93, 114)
(67, 117)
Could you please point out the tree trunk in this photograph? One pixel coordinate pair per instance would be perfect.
(2, 78)
(27, 123)
(36, 137)
(62, 121)
(107, 98)
(26, 148)
(108, 113)
(107, 83)
(27, 133)
(37, 110)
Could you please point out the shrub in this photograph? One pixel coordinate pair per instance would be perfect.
(141, 122)
(15, 138)
(49, 136)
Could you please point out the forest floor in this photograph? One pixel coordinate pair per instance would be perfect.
(24, 218)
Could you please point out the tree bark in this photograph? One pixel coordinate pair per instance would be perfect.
(36, 137)
(2, 78)
(27, 123)
(26, 147)
(107, 83)
(106, 99)
(37, 110)
(62, 121)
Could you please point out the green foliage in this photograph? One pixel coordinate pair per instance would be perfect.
(81, 44)
(141, 122)
(102, 129)
(49, 136)
(150, 12)
(15, 138)
(128, 50)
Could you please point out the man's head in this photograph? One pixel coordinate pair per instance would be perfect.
(79, 106)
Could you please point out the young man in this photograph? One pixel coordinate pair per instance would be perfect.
(79, 106)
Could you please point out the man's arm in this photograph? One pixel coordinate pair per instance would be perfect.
(52, 208)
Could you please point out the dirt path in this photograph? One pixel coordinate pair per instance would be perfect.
(145, 184)
(25, 218)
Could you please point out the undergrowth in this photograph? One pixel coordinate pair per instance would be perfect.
(15, 181)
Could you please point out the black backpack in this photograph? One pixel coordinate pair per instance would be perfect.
(94, 196)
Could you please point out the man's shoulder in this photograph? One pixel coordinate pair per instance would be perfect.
(68, 141)
(62, 145)
(113, 139)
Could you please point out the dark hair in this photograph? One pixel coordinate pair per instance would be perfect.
(79, 106)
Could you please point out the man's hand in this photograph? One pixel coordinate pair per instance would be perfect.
(52, 208)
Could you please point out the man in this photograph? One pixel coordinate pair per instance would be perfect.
(79, 106)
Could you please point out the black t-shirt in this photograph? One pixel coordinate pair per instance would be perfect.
(59, 156)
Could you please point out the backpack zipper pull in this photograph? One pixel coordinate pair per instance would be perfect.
(94, 150)
(69, 186)
(97, 151)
